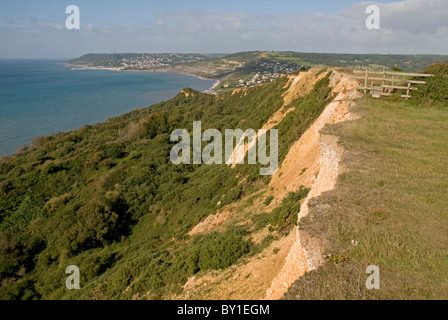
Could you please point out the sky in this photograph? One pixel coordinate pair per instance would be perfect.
(37, 29)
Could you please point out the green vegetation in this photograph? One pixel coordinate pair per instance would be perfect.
(389, 207)
(268, 200)
(436, 89)
(221, 250)
(108, 199)
(286, 216)
(283, 218)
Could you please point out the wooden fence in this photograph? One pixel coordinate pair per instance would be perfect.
(383, 83)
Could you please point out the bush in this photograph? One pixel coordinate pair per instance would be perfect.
(286, 215)
(114, 151)
(95, 264)
(10, 253)
(268, 200)
(219, 251)
(157, 124)
(436, 89)
(99, 223)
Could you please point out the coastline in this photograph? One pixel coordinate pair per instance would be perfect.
(211, 90)
(83, 67)
(12, 141)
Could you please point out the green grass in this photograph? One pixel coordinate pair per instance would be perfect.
(391, 200)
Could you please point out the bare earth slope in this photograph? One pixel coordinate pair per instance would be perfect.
(311, 162)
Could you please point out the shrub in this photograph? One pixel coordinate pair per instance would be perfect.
(99, 223)
(113, 151)
(10, 253)
(286, 215)
(219, 251)
(268, 200)
(56, 202)
(95, 264)
(156, 124)
(436, 89)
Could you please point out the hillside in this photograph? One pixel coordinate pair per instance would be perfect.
(108, 199)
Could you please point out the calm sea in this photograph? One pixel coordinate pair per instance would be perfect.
(40, 97)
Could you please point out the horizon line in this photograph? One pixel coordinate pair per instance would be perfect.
(223, 53)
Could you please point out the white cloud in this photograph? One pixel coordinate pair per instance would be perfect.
(9, 20)
(409, 26)
(89, 28)
(38, 24)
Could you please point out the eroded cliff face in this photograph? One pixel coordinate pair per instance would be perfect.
(322, 154)
(313, 162)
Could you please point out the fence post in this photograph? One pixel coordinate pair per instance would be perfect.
(408, 92)
(366, 81)
(393, 84)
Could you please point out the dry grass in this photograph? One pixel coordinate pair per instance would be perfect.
(389, 208)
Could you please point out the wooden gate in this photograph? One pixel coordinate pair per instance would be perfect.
(385, 82)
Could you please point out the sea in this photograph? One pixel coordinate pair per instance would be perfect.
(42, 97)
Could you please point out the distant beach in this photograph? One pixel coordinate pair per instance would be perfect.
(81, 67)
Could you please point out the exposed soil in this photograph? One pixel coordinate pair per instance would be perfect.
(313, 161)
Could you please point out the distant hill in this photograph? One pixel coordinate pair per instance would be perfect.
(247, 69)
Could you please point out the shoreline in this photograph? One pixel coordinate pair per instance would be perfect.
(15, 148)
(82, 67)
(211, 90)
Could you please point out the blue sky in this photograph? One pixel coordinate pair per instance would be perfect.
(127, 12)
(30, 28)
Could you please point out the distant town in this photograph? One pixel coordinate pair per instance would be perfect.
(247, 69)
(156, 61)
(130, 62)
(233, 73)
(267, 71)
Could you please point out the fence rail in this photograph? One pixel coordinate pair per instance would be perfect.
(389, 82)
